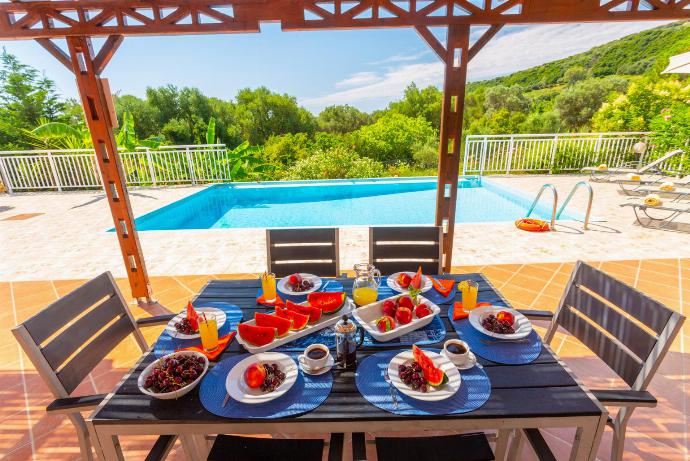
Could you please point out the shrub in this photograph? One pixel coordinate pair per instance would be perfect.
(392, 137)
(335, 163)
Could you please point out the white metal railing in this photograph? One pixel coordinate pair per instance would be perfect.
(77, 169)
(546, 152)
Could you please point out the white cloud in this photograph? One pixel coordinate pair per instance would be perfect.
(512, 50)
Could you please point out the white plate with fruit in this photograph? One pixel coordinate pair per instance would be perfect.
(395, 316)
(402, 281)
(424, 375)
(180, 328)
(173, 375)
(261, 378)
(500, 322)
(299, 284)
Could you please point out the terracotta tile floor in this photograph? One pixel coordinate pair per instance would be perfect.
(26, 432)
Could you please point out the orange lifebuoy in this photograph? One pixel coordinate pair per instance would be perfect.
(532, 225)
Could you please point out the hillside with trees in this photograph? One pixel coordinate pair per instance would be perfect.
(614, 87)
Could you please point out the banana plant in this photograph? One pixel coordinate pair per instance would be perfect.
(245, 163)
(60, 135)
(211, 131)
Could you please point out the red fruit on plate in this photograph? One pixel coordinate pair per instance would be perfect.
(422, 310)
(403, 315)
(254, 375)
(505, 316)
(388, 308)
(256, 335)
(294, 280)
(385, 323)
(403, 280)
(416, 281)
(405, 301)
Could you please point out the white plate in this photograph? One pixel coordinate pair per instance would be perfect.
(319, 371)
(324, 322)
(170, 328)
(433, 394)
(283, 286)
(393, 285)
(522, 325)
(175, 394)
(238, 389)
(367, 315)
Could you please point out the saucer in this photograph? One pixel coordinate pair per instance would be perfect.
(319, 371)
(471, 361)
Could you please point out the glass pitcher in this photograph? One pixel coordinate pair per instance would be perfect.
(365, 289)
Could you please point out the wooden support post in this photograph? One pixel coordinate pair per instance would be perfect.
(95, 101)
(455, 77)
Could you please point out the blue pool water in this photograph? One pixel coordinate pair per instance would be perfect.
(336, 203)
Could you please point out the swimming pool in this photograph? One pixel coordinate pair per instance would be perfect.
(336, 203)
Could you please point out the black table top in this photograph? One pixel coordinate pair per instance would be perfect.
(543, 388)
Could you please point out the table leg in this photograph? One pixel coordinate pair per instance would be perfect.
(110, 448)
(502, 444)
(515, 445)
(587, 438)
(191, 447)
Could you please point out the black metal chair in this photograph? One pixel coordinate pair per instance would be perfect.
(236, 448)
(405, 248)
(465, 447)
(626, 329)
(70, 337)
(311, 250)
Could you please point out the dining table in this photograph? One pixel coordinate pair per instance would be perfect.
(541, 394)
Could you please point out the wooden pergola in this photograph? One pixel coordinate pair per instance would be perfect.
(78, 21)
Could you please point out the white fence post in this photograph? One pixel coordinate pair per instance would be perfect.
(53, 168)
(482, 158)
(554, 148)
(509, 161)
(190, 165)
(464, 159)
(152, 170)
(5, 176)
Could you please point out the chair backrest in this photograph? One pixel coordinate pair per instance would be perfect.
(660, 160)
(311, 250)
(627, 329)
(67, 339)
(405, 248)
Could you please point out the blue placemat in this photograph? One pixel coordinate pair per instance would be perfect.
(328, 285)
(431, 334)
(166, 344)
(432, 295)
(475, 389)
(307, 393)
(502, 352)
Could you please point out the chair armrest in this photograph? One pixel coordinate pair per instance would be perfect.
(157, 320)
(539, 445)
(625, 398)
(161, 448)
(534, 314)
(75, 404)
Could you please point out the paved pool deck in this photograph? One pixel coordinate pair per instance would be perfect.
(53, 236)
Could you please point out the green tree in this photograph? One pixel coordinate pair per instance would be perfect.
(145, 116)
(510, 98)
(285, 149)
(574, 74)
(392, 137)
(342, 119)
(577, 104)
(425, 103)
(336, 163)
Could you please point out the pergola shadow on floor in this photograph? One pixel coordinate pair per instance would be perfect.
(654, 433)
(79, 21)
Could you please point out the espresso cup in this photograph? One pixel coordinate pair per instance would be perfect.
(457, 351)
(315, 356)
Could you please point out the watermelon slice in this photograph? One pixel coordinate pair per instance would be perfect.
(416, 282)
(281, 325)
(328, 302)
(298, 320)
(256, 335)
(314, 313)
(192, 316)
(433, 375)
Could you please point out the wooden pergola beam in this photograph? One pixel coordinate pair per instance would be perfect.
(483, 40)
(99, 18)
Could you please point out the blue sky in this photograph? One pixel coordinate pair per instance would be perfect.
(364, 68)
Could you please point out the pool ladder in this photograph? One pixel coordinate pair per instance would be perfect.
(556, 212)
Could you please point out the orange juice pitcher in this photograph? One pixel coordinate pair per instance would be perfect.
(365, 289)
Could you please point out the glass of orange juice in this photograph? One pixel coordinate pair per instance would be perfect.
(268, 285)
(208, 330)
(469, 289)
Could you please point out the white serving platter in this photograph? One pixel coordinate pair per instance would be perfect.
(241, 392)
(522, 325)
(366, 316)
(393, 284)
(170, 327)
(433, 394)
(324, 322)
(285, 289)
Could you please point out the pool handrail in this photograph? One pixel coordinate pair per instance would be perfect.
(555, 202)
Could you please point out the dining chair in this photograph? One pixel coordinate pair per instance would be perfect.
(239, 448)
(70, 337)
(405, 248)
(311, 250)
(626, 329)
(465, 447)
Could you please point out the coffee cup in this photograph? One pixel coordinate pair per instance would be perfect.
(315, 356)
(457, 351)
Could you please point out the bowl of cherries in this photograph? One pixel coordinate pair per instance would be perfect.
(174, 375)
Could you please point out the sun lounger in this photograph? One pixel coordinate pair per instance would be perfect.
(674, 210)
(653, 167)
(650, 181)
(679, 193)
